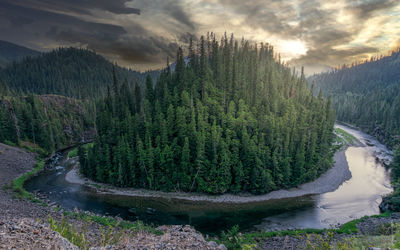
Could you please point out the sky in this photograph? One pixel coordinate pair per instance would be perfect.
(141, 34)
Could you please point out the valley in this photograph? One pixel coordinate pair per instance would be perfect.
(130, 125)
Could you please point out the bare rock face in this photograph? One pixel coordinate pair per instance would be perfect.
(30, 234)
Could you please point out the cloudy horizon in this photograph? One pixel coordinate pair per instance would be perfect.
(141, 34)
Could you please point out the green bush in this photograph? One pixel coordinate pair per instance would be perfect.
(113, 222)
(70, 233)
(74, 152)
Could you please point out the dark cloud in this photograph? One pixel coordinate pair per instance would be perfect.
(60, 27)
(77, 6)
(270, 15)
(170, 9)
(113, 28)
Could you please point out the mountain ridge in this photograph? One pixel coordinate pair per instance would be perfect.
(11, 52)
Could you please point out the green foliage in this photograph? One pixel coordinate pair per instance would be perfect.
(67, 231)
(343, 138)
(389, 240)
(50, 122)
(232, 239)
(366, 95)
(112, 222)
(233, 119)
(366, 242)
(393, 200)
(74, 152)
(351, 226)
(315, 238)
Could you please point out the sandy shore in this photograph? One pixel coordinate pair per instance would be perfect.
(327, 182)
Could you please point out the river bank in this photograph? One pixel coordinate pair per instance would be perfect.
(173, 236)
(28, 225)
(327, 182)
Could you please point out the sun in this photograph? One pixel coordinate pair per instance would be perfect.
(291, 49)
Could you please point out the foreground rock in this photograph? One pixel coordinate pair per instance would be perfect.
(378, 226)
(174, 237)
(15, 162)
(30, 234)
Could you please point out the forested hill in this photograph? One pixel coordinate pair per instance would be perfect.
(367, 95)
(71, 72)
(48, 122)
(10, 52)
(233, 119)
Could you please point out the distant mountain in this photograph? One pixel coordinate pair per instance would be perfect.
(367, 95)
(10, 52)
(71, 72)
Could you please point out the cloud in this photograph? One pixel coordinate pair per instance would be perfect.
(60, 26)
(78, 6)
(329, 30)
(325, 33)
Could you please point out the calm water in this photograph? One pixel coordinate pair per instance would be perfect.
(359, 196)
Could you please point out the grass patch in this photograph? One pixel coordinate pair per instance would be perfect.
(79, 234)
(67, 231)
(136, 226)
(365, 242)
(351, 226)
(17, 185)
(74, 152)
(343, 138)
(233, 239)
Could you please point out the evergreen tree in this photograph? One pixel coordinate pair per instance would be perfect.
(234, 119)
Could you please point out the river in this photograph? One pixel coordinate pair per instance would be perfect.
(357, 197)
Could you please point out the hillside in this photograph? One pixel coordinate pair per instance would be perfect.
(234, 119)
(71, 72)
(49, 121)
(10, 52)
(367, 95)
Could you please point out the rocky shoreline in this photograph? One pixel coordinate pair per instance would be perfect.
(327, 182)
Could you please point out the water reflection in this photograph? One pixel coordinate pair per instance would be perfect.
(357, 197)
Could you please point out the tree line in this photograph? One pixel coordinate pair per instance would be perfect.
(72, 72)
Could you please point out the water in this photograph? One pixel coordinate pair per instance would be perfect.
(357, 197)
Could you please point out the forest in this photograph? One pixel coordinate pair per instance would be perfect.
(367, 95)
(71, 72)
(47, 100)
(44, 123)
(230, 117)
